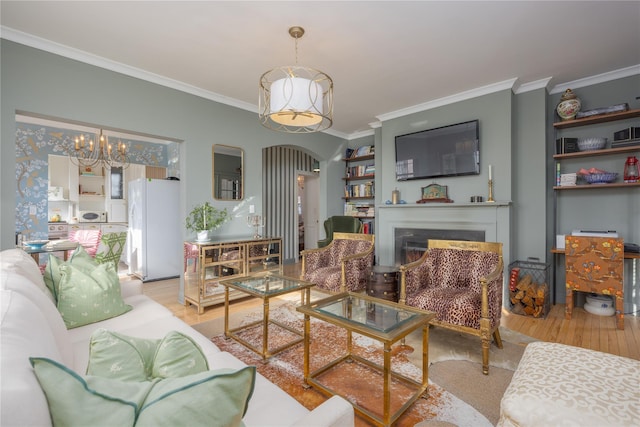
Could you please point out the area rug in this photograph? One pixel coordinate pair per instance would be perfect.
(356, 382)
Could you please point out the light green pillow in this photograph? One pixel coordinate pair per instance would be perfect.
(79, 258)
(85, 298)
(117, 356)
(178, 355)
(90, 401)
(211, 398)
(218, 398)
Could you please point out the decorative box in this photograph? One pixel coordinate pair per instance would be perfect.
(566, 145)
(568, 179)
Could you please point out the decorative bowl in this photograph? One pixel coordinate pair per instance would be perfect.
(600, 178)
(36, 244)
(590, 144)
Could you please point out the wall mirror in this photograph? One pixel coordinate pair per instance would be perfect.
(228, 172)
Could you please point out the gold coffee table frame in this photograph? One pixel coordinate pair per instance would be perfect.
(353, 312)
(265, 287)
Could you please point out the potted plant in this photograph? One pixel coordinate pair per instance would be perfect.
(204, 218)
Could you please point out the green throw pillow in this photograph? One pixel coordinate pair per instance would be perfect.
(178, 355)
(79, 258)
(218, 398)
(85, 298)
(117, 356)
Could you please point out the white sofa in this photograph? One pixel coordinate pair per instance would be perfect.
(32, 327)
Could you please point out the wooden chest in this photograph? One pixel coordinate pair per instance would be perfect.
(383, 283)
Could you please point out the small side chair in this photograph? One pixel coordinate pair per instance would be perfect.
(89, 239)
(343, 265)
(111, 248)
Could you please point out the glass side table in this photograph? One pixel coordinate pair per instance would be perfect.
(264, 287)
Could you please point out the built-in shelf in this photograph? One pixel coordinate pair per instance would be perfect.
(359, 198)
(360, 177)
(360, 158)
(594, 186)
(445, 205)
(627, 255)
(603, 152)
(602, 118)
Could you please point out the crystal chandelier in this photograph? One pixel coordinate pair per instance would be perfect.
(89, 153)
(296, 99)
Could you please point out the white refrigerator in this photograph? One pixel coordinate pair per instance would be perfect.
(154, 246)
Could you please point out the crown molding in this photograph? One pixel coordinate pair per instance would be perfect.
(88, 58)
(360, 134)
(462, 96)
(531, 86)
(599, 78)
(85, 57)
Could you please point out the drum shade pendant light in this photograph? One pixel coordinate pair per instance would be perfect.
(296, 99)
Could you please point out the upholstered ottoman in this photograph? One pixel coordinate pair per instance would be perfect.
(561, 385)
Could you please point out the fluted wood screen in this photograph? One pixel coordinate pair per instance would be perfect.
(280, 168)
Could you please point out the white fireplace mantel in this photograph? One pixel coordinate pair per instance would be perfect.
(494, 218)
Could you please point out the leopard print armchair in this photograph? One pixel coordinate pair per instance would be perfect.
(462, 283)
(343, 265)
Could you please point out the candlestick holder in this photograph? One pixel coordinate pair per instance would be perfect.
(490, 198)
(255, 221)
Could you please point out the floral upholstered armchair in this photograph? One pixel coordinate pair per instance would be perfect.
(462, 283)
(343, 265)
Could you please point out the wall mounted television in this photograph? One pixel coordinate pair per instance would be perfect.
(452, 150)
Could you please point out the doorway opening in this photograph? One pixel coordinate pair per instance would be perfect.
(307, 210)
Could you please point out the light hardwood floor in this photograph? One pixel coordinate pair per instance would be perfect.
(583, 330)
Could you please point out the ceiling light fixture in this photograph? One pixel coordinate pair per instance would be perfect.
(296, 99)
(87, 153)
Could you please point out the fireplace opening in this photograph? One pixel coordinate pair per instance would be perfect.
(410, 243)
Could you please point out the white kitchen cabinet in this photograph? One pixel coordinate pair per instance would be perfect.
(117, 211)
(84, 226)
(113, 228)
(63, 187)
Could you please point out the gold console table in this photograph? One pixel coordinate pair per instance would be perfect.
(206, 263)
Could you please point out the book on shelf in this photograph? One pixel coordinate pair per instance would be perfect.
(618, 108)
(365, 150)
(360, 170)
(368, 226)
(359, 190)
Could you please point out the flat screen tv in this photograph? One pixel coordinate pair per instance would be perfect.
(452, 150)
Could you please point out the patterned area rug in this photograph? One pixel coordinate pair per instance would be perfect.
(356, 382)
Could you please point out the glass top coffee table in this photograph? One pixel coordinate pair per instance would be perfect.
(265, 287)
(381, 320)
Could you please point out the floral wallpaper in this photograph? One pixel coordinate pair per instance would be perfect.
(34, 143)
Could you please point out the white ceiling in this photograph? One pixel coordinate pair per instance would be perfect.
(385, 57)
